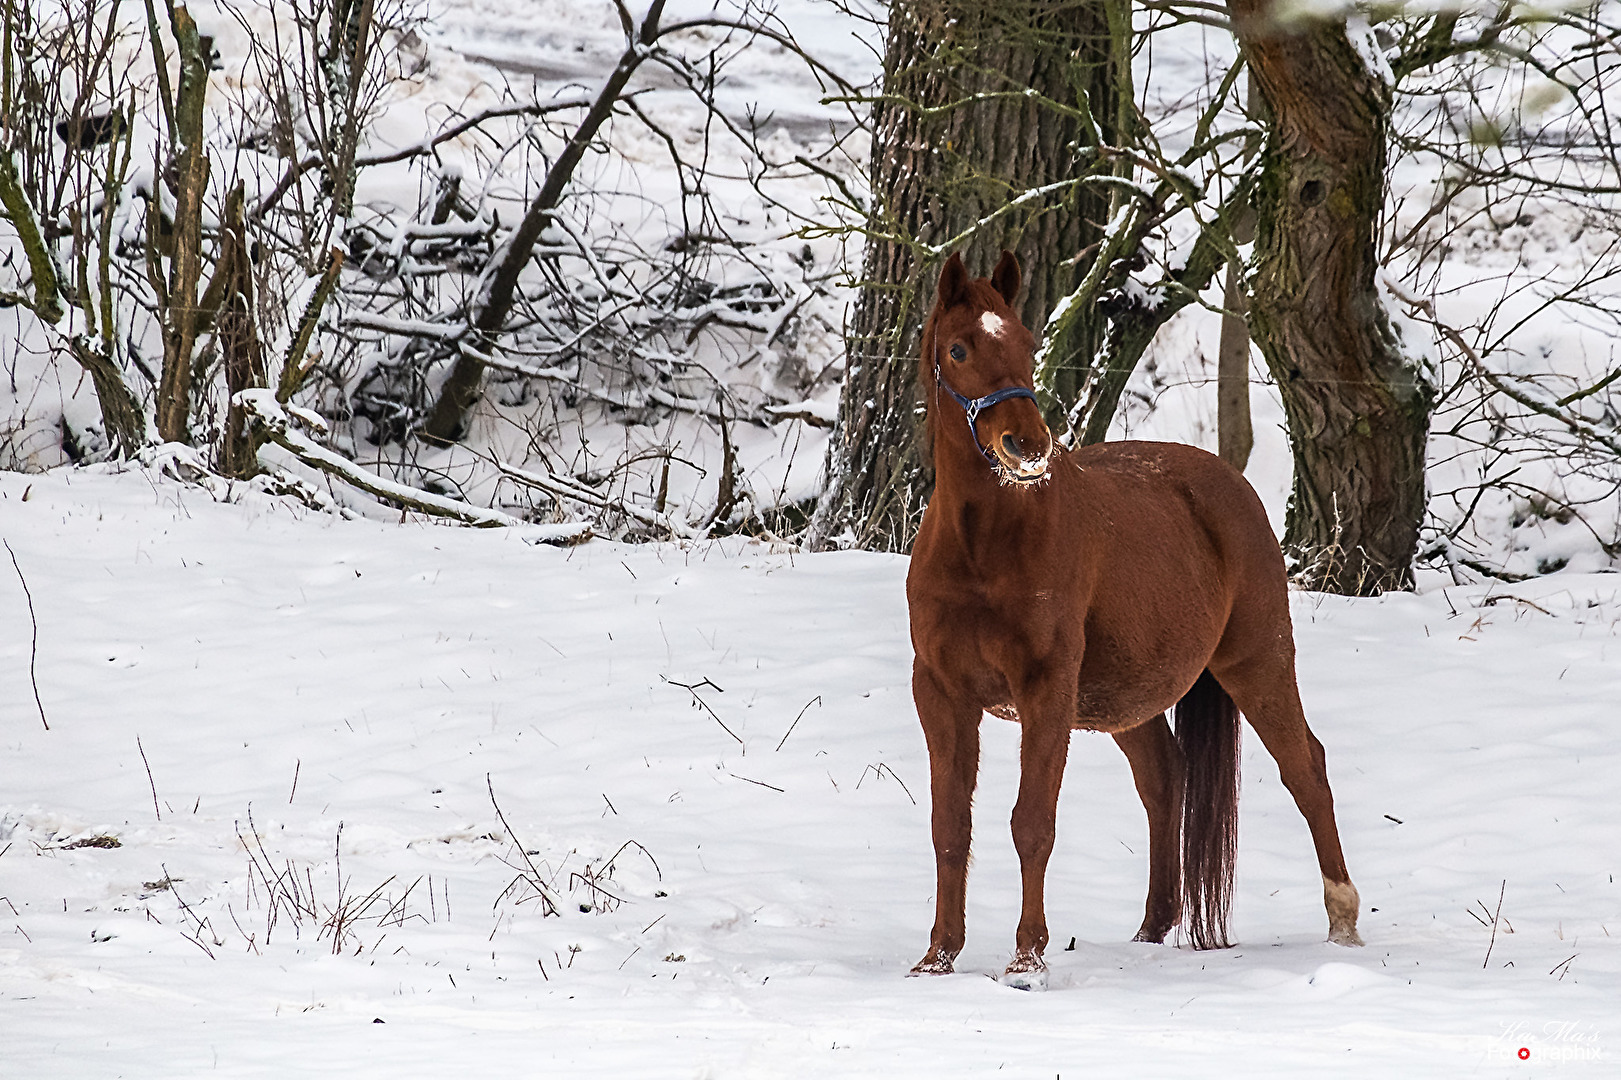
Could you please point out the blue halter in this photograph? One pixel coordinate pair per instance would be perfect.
(972, 407)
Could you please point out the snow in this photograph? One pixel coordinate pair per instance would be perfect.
(820, 413)
(239, 686)
(210, 660)
(1366, 44)
(418, 327)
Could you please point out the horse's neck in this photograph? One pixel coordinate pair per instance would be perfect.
(980, 516)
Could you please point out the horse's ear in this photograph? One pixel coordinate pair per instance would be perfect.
(1005, 278)
(953, 282)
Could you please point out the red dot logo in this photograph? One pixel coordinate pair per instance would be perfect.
(1525, 1053)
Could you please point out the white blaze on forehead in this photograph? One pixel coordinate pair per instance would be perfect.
(992, 324)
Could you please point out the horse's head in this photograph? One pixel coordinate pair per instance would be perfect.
(978, 361)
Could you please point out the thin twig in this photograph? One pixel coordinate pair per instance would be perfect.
(760, 783)
(150, 782)
(879, 770)
(817, 700)
(1501, 889)
(551, 905)
(637, 844)
(33, 648)
(700, 703)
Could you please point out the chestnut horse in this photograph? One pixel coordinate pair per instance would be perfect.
(1096, 589)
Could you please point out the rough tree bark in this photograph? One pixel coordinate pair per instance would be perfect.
(940, 164)
(1357, 408)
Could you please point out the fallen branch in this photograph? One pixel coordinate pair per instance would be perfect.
(270, 420)
(564, 488)
(1449, 551)
(817, 700)
(878, 771)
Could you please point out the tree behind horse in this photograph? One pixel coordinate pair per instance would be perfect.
(1097, 589)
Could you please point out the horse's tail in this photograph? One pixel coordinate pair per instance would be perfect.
(1207, 732)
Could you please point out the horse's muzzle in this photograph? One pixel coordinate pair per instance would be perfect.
(1016, 467)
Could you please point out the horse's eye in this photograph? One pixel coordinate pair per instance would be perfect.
(959, 353)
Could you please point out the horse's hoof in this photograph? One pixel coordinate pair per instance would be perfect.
(1345, 935)
(1026, 980)
(1026, 973)
(1151, 936)
(932, 965)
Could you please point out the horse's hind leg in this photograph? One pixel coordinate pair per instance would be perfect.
(1158, 770)
(1268, 697)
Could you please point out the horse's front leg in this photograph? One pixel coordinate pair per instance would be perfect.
(1046, 720)
(951, 729)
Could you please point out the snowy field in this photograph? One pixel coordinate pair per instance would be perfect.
(201, 662)
(310, 783)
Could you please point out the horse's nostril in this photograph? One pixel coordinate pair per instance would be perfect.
(1011, 447)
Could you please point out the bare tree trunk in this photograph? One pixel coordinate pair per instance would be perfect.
(1358, 409)
(52, 75)
(189, 183)
(343, 69)
(1235, 433)
(120, 414)
(240, 347)
(939, 165)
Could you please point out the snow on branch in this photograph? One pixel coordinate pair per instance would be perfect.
(269, 418)
(405, 327)
(565, 375)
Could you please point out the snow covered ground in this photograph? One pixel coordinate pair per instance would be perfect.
(292, 725)
(199, 662)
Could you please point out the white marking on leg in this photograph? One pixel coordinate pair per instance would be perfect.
(1034, 978)
(1342, 902)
